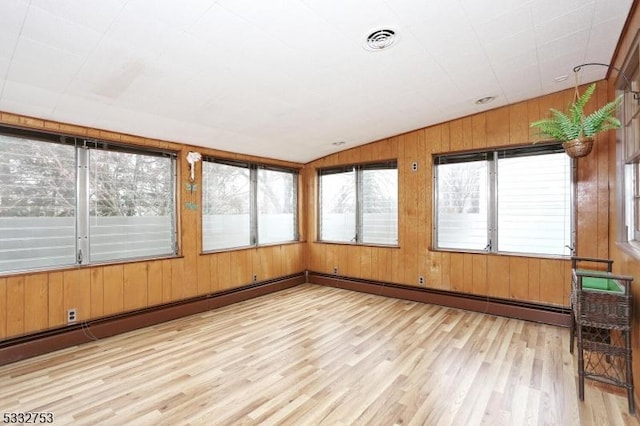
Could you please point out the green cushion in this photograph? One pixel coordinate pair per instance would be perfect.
(605, 284)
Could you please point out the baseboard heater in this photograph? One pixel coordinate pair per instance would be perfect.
(535, 312)
(15, 349)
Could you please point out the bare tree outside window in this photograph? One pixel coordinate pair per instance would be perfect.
(36, 179)
(226, 206)
(130, 205)
(37, 204)
(46, 219)
(247, 204)
(125, 184)
(512, 200)
(276, 204)
(459, 187)
(226, 189)
(461, 209)
(338, 206)
(360, 204)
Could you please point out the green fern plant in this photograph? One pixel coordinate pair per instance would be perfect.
(573, 124)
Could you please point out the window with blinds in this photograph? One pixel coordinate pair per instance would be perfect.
(67, 201)
(276, 205)
(462, 201)
(359, 204)
(338, 205)
(245, 204)
(505, 201)
(629, 152)
(131, 205)
(37, 204)
(226, 205)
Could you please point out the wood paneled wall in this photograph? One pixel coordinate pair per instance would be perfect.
(531, 279)
(32, 302)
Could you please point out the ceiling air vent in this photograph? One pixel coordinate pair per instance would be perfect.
(380, 39)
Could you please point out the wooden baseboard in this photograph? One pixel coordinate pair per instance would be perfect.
(19, 348)
(502, 307)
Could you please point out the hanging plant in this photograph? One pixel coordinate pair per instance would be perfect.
(575, 129)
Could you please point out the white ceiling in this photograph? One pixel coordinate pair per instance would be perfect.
(287, 78)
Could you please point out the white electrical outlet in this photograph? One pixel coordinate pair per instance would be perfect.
(255, 278)
(335, 270)
(72, 315)
(421, 280)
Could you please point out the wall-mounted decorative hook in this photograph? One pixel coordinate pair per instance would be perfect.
(192, 158)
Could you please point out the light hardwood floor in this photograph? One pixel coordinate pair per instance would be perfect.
(317, 355)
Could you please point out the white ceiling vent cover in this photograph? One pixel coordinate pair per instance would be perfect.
(380, 39)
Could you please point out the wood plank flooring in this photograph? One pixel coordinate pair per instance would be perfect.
(315, 355)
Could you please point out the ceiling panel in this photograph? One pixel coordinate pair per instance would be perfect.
(68, 36)
(547, 10)
(95, 14)
(29, 100)
(39, 65)
(172, 14)
(562, 27)
(505, 25)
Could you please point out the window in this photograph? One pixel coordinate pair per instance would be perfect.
(67, 201)
(338, 205)
(632, 203)
(359, 204)
(226, 206)
(510, 201)
(247, 204)
(629, 157)
(276, 205)
(131, 205)
(462, 202)
(37, 204)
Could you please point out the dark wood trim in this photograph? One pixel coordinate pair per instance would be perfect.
(490, 305)
(19, 348)
(625, 29)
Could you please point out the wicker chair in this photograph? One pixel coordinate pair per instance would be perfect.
(601, 318)
(591, 265)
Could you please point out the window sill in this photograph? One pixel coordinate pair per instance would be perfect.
(506, 254)
(64, 268)
(254, 247)
(345, 243)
